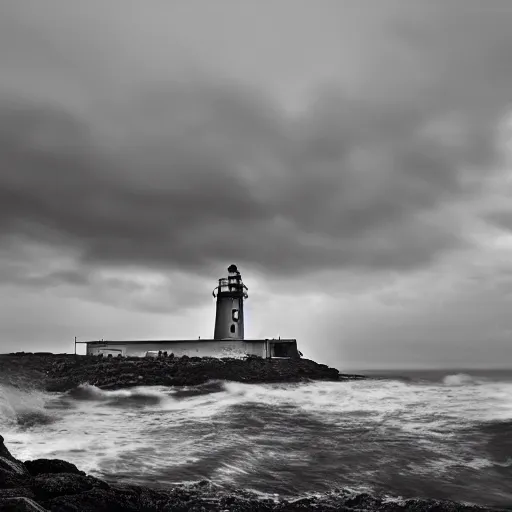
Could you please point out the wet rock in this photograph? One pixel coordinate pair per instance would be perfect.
(51, 485)
(8, 463)
(184, 371)
(13, 473)
(15, 488)
(38, 466)
(115, 499)
(14, 492)
(10, 479)
(20, 504)
(4, 452)
(94, 501)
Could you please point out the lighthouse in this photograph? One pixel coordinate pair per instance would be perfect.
(228, 338)
(230, 293)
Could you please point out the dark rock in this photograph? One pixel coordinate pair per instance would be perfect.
(96, 500)
(11, 479)
(15, 488)
(65, 372)
(50, 485)
(363, 500)
(4, 452)
(38, 466)
(14, 492)
(8, 462)
(20, 504)
(12, 472)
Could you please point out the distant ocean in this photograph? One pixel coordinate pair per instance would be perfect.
(423, 433)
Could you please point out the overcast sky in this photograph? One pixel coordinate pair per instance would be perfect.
(353, 158)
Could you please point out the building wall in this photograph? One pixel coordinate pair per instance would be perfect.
(220, 348)
(280, 348)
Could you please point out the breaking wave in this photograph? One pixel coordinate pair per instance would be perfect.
(23, 408)
(121, 397)
(461, 379)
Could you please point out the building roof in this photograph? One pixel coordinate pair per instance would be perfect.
(148, 342)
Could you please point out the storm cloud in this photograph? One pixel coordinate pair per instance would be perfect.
(209, 175)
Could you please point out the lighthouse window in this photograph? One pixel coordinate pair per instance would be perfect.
(232, 328)
(234, 315)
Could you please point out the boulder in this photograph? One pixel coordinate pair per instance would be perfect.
(38, 466)
(12, 472)
(15, 491)
(50, 485)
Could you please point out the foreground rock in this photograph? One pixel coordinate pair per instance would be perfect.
(61, 372)
(59, 486)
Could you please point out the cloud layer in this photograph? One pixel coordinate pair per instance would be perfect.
(208, 176)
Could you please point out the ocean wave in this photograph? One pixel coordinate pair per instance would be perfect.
(132, 396)
(439, 409)
(212, 386)
(23, 408)
(461, 379)
(281, 437)
(218, 397)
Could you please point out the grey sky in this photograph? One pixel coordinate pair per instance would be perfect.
(350, 157)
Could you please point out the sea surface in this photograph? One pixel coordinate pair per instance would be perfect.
(428, 434)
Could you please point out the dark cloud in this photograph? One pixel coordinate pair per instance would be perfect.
(154, 294)
(193, 175)
(211, 177)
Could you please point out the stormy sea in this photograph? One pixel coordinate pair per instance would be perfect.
(428, 434)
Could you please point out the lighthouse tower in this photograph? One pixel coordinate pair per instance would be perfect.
(230, 294)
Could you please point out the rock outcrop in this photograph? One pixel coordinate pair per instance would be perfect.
(114, 373)
(58, 486)
(61, 372)
(15, 490)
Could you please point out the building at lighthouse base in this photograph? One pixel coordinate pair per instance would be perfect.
(265, 348)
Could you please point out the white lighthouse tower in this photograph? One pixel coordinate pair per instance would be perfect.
(230, 293)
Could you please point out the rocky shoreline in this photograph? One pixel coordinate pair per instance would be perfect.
(62, 372)
(59, 486)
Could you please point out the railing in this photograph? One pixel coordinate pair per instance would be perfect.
(230, 285)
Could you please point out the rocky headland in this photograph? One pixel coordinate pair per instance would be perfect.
(62, 372)
(59, 486)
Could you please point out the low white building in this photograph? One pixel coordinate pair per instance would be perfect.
(197, 348)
